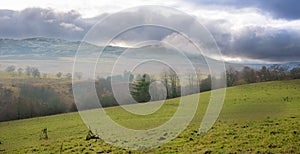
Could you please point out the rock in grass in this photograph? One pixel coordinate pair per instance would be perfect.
(208, 152)
(91, 135)
(161, 138)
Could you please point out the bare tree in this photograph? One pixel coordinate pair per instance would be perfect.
(295, 73)
(28, 71)
(59, 74)
(20, 71)
(249, 75)
(10, 69)
(68, 75)
(193, 84)
(78, 75)
(231, 76)
(174, 80)
(206, 84)
(198, 78)
(165, 80)
(35, 72)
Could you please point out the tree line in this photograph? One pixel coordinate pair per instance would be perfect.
(25, 100)
(249, 75)
(35, 72)
(196, 83)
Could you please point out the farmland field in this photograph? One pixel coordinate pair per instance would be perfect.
(258, 118)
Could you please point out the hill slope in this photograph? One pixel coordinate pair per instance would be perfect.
(261, 117)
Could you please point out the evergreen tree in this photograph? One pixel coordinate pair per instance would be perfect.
(36, 73)
(140, 89)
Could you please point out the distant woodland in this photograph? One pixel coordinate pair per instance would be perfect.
(26, 93)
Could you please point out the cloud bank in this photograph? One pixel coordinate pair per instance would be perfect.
(245, 32)
(286, 9)
(34, 22)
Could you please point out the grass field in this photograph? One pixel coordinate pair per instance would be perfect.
(256, 118)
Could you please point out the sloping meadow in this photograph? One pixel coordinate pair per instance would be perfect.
(260, 117)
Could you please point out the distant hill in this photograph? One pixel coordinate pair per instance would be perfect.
(49, 47)
(41, 48)
(50, 52)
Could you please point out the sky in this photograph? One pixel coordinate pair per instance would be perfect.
(244, 30)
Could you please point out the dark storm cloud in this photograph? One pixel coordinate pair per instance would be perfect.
(265, 43)
(256, 42)
(33, 22)
(287, 9)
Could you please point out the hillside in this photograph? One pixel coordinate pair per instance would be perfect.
(259, 118)
(22, 96)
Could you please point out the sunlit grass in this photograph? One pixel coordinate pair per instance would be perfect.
(259, 118)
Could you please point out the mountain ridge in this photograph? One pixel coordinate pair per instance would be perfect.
(56, 47)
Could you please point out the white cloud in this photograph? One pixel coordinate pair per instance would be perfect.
(70, 26)
(181, 43)
(87, 8)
